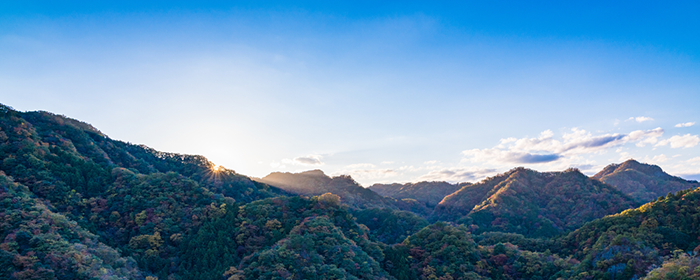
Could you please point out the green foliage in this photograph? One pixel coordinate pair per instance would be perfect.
(441, 250)
(315, 249)
(681, 266)
(254, 232)
(390, 226)
(629, 243)
(523, 243)
(212, 251)
(40, 244)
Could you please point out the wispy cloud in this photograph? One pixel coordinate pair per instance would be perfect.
(546, 148)
(455, 175)
(640, 119)
(688, 124)
(678, 141)
(657, 159)
(360, 165)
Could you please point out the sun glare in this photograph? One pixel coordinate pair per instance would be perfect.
(216, 168)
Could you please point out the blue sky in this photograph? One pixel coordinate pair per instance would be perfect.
(393, 92)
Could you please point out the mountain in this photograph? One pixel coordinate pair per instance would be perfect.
(535, 204)
(429, 193)
(643, 182)
(315, 182)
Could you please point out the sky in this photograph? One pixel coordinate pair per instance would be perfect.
(385, 92)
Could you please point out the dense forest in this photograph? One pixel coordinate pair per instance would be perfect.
(79, 205)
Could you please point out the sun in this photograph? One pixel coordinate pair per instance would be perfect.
(216, 168)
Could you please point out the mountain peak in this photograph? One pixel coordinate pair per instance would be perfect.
(643, 182)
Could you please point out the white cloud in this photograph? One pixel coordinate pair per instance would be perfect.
(454, 175)
(688, 124)
(430, 162)
(360, 165)
(275, 164)
(545, 148)
(625, 156)
(310, 160)
(368, 173)
(658, 159)
(387, 162)
(640, 119)
(678, 141)
(645, 137)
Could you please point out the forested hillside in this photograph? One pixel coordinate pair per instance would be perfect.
(76, 204)
(140, 201)
(643, 182)
(628, 244)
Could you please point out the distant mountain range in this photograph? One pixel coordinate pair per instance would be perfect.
(315, 182)
(430, 193)
(75, 204)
